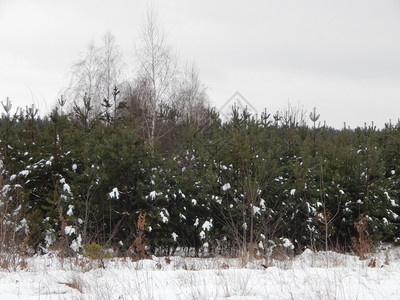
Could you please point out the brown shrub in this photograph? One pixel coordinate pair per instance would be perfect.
(137, 251)
(362, 244)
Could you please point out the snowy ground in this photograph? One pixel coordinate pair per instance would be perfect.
(308, 276)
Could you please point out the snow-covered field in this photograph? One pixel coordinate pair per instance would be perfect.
(307, 276)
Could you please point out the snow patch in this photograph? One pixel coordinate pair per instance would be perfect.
(226, 187)
(69, 230)
(66, 188)
(287, 243)
(154, 194)
(262, 204)
(114, 194)
(202, 235)
(24, 173)
(261, 245)
(164, 217)
(207, 225)
(49, 237)
(256, 210)
(76, 244)
(70, 212)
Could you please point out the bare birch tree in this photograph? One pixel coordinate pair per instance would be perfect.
(95, 75)
(85, 81)
(191, 96)
(293, 116)
(111, 70)
(157, 71)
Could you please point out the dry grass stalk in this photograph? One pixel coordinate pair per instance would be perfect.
(13, 244)
(75, 283)
(137, 251)
(386, 258)
(224, 266)
(24, 246)
(372, 263)
(62, 245)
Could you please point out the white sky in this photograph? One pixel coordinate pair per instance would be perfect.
(340, 56)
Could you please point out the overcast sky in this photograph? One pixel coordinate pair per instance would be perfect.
(341, 56)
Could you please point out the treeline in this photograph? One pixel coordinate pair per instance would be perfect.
(115, 151)
(203, 184)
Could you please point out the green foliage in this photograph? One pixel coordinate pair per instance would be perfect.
(211, 185)
(94, 251)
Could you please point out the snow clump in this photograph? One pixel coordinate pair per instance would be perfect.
(226, 187)
(207, 225)
(114, 194)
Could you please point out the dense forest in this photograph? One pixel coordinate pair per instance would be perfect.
(119, 161)
(226, 186)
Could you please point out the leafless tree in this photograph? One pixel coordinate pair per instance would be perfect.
(191, 96)
(111, 70)
(157, 74)
(95, 75)
(85, 78)
(293, 116)
(10, 119)
(111, 65)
